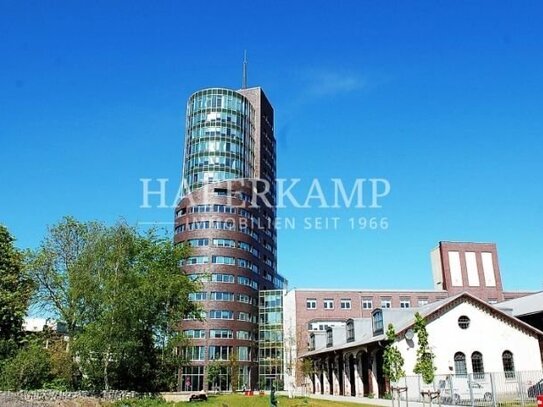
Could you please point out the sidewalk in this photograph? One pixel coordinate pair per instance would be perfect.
(365, 400)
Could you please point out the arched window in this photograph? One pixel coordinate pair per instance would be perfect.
(508, 365)
(460, 367)
(477, 365)
(350, 330)
(329, 337)
(377, 318)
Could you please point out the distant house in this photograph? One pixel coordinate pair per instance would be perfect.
(42, 324)
(468, 336)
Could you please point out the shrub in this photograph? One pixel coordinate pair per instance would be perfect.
(29, 369)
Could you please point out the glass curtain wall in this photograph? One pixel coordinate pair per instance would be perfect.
(270, 339)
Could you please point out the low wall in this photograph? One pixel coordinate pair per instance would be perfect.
(55, 395)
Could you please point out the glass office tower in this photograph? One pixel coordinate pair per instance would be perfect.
(227, 217)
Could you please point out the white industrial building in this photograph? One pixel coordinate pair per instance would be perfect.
(473, 342)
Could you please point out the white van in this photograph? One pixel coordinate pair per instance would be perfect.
(463, 388)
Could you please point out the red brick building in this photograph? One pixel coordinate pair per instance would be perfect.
(456, 267)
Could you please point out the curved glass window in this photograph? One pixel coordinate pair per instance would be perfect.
(219, 134)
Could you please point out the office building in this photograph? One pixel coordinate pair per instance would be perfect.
(227, 217)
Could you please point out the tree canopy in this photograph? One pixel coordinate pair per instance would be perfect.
(15, 293)
(122, 295)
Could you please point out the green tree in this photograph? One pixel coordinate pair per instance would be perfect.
(15, 292)
(63, 367)
(122, 295)
(233, 364)
(55, 266)
(392, 358)
(170, 359)
(29, 369)
(134, 296)
(307, 368)
(425, 357)
(213, 371)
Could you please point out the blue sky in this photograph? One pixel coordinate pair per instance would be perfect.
(443, 99)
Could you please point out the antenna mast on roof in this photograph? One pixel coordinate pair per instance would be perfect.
(244, 78)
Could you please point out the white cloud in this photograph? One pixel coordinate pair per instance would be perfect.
(333, 83)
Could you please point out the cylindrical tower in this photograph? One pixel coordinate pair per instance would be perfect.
(219, 143)
(229, 223)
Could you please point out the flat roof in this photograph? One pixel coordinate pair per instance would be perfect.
(379, 290)
(527, 305)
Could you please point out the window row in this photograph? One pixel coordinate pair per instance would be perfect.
(208, 208)
(229, 243)
(367, 303)
(219, 334)
(215, 130)
(227, 278)
(223, 146)
(219, 98)
(328, 303)
(223, 161)
(222, 296)
(226, 260)
(477, 364)
(217, 352)
(227, 314)
(212, 176)
(225, 225)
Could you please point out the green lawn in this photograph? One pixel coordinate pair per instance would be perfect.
(236, 400)
(264, 401)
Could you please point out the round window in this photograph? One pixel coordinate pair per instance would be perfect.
(463, 322)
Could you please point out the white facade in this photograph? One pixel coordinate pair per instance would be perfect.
(38, 324)
(487, 333)
(289, 340)
(491, 354)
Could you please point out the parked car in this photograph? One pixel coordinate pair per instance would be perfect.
(463, 389)
(536, 389)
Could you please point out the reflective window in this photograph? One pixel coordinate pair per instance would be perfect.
(508, 364)
(243, 353)
(220, 352)
(477, 365)
(197, 296)
(367, 303)
(195, 333)
(460, 367)
(221, 334)
(377, 320)
(345, 304)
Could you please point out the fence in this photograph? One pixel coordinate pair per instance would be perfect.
(482, 389)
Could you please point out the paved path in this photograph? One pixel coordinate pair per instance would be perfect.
(366, 400)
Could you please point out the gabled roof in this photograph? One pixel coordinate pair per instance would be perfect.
(403, 319)
(431, 309)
